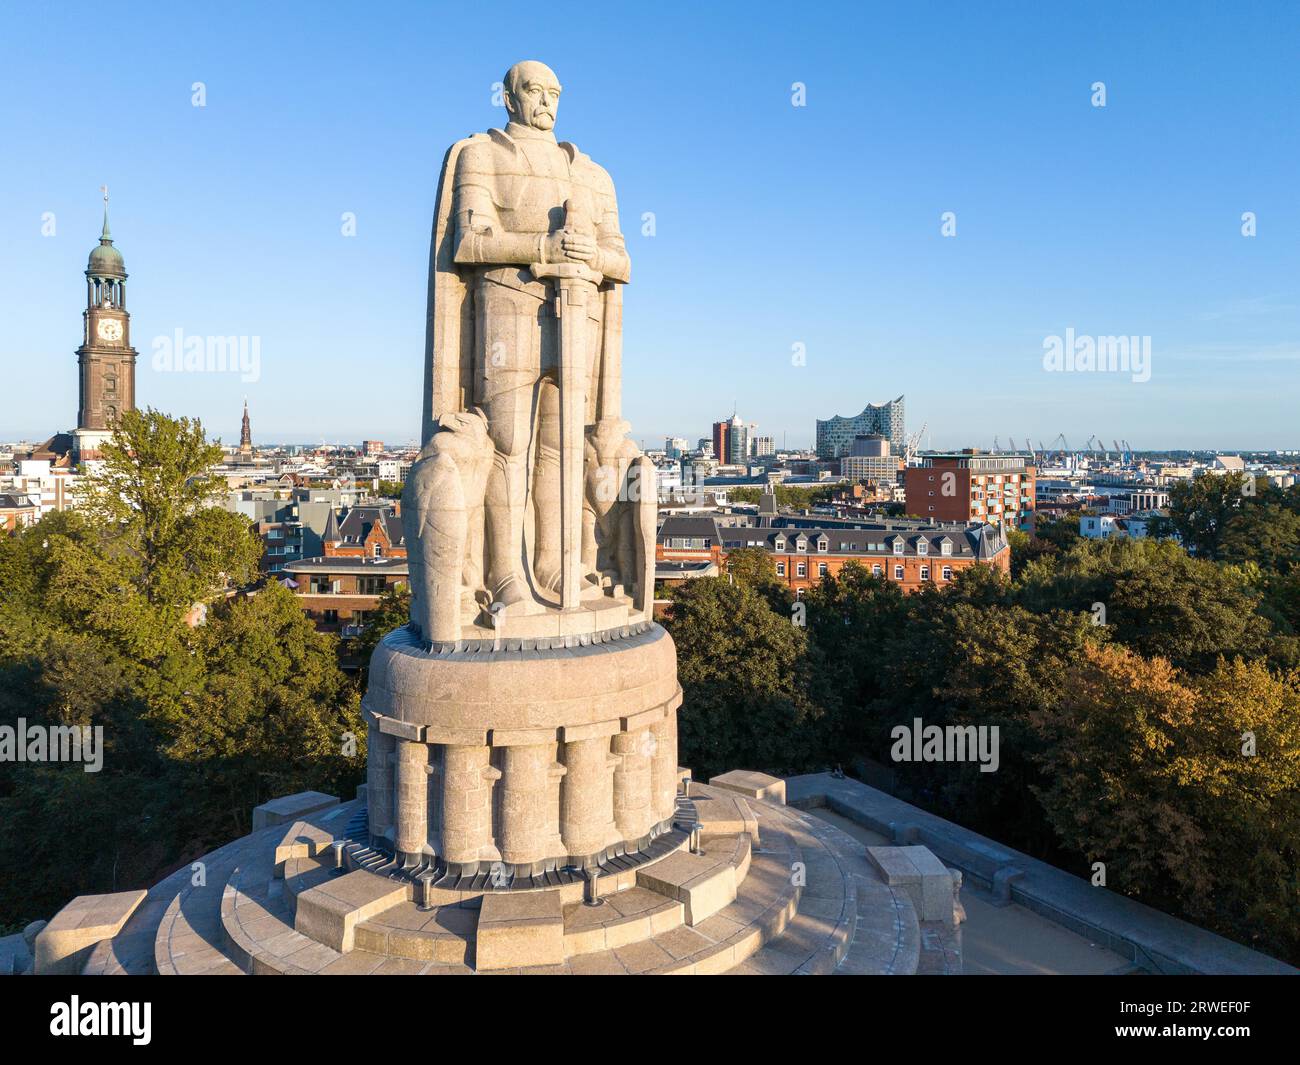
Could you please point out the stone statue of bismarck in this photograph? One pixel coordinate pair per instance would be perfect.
(527, 496)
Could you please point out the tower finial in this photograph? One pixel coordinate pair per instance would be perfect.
(106, 235)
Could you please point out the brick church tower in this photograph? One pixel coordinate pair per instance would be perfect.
(106, 358)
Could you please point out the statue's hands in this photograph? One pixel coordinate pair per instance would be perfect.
(565, 246)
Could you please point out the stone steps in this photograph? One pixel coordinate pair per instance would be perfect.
(879, 934)
(136, 949)
(190, 940)
(802, 898)
(623, 917)
(819, 934)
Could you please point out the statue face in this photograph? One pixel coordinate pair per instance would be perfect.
(533, 95)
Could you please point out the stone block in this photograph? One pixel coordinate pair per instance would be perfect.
(291, 807)
(330, 912)
(63, 944)
(752, 785)
(726, 815)
(519, 928)
(303, 840)
(924, 878)
(703, 883)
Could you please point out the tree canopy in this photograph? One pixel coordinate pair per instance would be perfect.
(135, 613)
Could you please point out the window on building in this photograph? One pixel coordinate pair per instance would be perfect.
(945, 548)
(925, 573)
(780, 543)
(823, 545)
(947, 573)
(821, 569)
(780, 569)
(898, 545)
(922, 547)
(876, 570)
(898, 573)
(802, 570)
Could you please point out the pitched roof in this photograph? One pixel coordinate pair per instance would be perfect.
(358, 521)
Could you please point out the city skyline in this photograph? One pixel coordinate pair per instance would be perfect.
(1123, 220)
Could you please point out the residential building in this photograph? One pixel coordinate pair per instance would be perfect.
(48, 486)
(972, 485)
(870, 460)
(17, 512)
(338, 591)
(915, 554)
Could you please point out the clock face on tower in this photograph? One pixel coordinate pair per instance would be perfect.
(109, 329)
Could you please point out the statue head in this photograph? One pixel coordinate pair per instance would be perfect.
(532, 94)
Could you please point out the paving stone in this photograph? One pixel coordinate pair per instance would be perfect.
(519, 927)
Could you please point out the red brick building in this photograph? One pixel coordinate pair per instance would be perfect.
(337, 593)
(915, 554)
(364, 556)
(17, 512)
(365, 532)
(972, 486)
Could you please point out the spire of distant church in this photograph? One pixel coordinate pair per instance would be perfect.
(245, 431)
(105, 236)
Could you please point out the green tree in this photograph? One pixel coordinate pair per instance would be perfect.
(272, 712)
(202, 719)
(1157, 599)
(749, 689)
(1147, 771)
(1200, 510)
(1265, 533)
(392, 612)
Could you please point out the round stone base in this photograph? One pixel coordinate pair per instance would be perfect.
(520, 762)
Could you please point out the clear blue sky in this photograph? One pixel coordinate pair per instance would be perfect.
(776, 225)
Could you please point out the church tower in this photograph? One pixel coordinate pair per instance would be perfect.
(245, 435)
(106, 358)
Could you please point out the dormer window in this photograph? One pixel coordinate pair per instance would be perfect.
(945, 547)
(898, 547)
(780, 543)
(922, 547)
(823, 544)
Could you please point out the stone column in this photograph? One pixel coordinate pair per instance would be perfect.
(379, 782)
(663, 767)
(525, 778)
(632, 810)
(466, 803)
(412, 801)
(587, 797)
